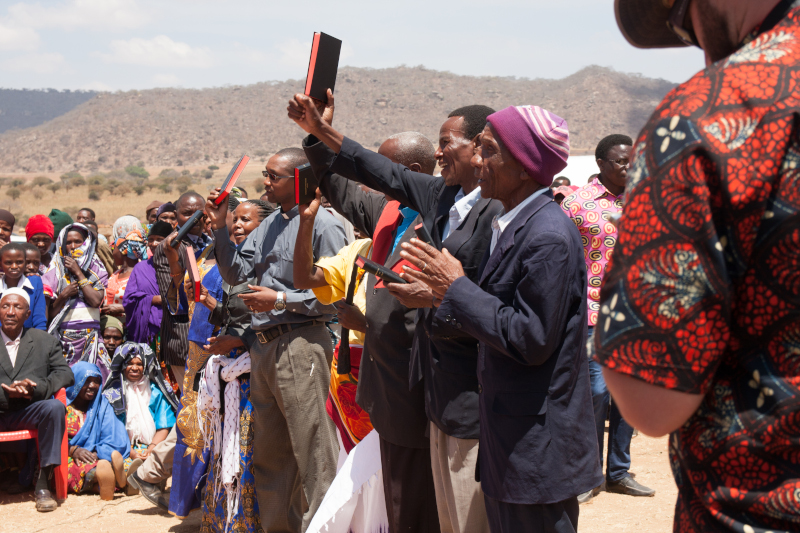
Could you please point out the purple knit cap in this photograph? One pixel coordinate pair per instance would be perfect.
(536, 138)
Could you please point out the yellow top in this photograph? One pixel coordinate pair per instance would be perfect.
(337, 272)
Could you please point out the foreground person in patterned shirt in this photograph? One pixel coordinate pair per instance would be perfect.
(699, 326)
(592, 208)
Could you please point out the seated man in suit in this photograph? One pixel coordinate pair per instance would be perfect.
(32, 369)
(528, 311)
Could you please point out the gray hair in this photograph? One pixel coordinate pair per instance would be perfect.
(414, 147)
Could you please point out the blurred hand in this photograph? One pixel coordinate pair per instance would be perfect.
(260, 301)
(438, 270)
(72, 265)
(113, 310)
(412, 295)
(169, 252)
(351, 317)
(223, 345)
(217, 214)
(308, 212)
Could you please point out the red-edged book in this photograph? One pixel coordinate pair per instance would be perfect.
(323, 66)
(194, 273)
(230, 181)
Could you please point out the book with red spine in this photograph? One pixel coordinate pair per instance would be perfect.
(230, 181)
(194, 272)
(323, 66)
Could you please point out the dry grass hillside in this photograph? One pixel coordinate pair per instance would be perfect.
(177, 127)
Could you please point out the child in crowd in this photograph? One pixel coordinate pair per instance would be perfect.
(12, 263)
(33, 260)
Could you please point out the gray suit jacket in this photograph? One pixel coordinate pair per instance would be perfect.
(40, 359)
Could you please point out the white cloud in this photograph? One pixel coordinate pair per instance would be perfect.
(165, 80)
(37, 63)
(295, 52)
(160, 51)
(13, 37)
(103, 15)
(97, 86)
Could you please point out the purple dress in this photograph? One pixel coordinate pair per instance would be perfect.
(142, 318)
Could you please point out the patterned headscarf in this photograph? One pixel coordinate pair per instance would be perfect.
(133, 245)
(123, 227)
(115, 385)
(83, 255)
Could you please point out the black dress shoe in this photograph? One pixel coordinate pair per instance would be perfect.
(45, 501)
(629, 486)
(151, 492)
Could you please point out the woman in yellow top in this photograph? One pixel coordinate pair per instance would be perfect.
(330, 278)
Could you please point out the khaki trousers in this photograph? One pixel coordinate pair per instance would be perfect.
(459, 498)
(295, 445)
(158, 465)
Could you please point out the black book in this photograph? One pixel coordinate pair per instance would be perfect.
(305, 184)
(186, 228)
(379, 271)
(322, 66)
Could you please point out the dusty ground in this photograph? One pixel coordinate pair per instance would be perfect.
(606, 513)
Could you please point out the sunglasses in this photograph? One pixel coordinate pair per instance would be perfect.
(274, 177)
(677, 23)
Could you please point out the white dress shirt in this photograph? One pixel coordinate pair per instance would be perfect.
(500, 223)
(460, 209)
(12, 346)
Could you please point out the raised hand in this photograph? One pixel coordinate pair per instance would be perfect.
(216, 214)
(308, 212)
(310, 114)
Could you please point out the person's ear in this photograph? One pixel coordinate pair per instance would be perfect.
(599, 164)
(524, 176)
(27, 314)
(416, 167)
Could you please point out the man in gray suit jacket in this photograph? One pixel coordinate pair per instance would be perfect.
(32, 370)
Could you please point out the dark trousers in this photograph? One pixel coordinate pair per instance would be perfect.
(47, 417)
(408, 489)
(561, 517)
(620, 432)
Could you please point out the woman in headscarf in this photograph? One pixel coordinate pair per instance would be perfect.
(98, 444)
(151, 212)
(78, 280)
(168, 213)
(39, 232)
(142, 301)
(129, 247)
(229, 501)
(141, 398)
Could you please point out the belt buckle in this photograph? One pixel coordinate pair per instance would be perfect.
(261, 337)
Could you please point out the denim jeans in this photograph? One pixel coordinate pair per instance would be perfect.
(619, 432)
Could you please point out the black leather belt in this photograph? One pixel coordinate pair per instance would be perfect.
(269, 335)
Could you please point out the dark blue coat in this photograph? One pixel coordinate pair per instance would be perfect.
(537, 439)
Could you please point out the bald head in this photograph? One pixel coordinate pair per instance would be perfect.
(411, 149)
(295, 156)
(189, 195)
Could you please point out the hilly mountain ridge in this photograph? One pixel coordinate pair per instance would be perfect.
(185, 127)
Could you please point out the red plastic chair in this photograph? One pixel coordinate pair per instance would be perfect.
(61, 470)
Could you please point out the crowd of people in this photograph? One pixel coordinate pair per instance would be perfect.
(282, 384)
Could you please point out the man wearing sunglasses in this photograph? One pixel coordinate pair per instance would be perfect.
(592, 208)
(699, 323)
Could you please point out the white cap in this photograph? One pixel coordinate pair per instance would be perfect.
(18, 292)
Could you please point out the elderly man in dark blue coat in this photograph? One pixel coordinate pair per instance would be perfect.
(528, 311)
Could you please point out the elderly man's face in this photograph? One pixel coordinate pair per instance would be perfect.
(14, 312)
(498, 172)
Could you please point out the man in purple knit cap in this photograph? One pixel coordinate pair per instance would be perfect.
(538, 449)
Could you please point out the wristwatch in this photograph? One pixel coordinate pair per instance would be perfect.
(280, 302)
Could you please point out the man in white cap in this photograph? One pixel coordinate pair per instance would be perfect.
(699, 323)
(32, 370)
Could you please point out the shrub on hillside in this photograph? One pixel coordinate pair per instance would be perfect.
(94, 194)
(77, 181)
(137, 171)
(14, 193)
(183, 183)
(139, 190)
(70, 176)
(123, 190)
(37, 193)
(16, 182)
(96, 179)
(213, 167)
(54, 187)
(207, 174)
(40, 181)
(169, 173)
(165, 187)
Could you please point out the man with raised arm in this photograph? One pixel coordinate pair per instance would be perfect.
(444, 359)
(295, 456)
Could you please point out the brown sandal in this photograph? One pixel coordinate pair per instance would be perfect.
(104, 475)
(118, 464)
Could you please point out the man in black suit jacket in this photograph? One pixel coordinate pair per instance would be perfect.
(32, 370)
(528, 310)
(458, 220)
(396, 412)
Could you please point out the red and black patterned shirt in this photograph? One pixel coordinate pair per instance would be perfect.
(703, 292)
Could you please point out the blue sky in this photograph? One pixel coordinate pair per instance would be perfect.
(141, 44)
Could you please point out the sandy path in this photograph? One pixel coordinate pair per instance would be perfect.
(606, 513)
